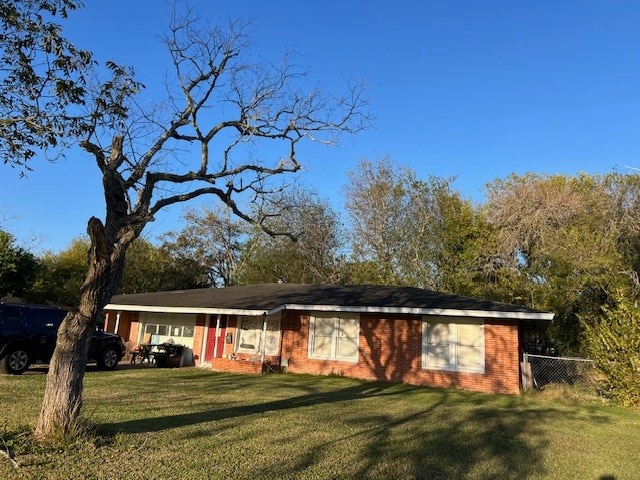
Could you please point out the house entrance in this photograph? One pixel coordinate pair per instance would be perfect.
(212, 338)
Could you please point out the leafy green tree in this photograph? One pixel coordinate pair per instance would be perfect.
(613, 342)
(569, 239)
(623, 192)
(147, 269)
(42, 79)
(410, 231)
(377, 203)
(445, 239)
(62, 275)
(154, 269)
(18, 267)
(464, 241)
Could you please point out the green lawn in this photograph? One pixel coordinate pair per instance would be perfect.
(191, 423)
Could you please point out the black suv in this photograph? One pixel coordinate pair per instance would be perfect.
(28, 335)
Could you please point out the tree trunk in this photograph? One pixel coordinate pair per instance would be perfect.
(63, 393)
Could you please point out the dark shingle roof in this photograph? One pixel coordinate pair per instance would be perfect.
(273, 297)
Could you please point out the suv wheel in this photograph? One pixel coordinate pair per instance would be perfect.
(108, 358)
(16, 361)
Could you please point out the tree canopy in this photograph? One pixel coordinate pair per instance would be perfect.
(43, 79)
(212, 240)
(312, 253)
(567, 244)
(18, 267)
(571, 240)
(410, 231)
(148, 268)
(208, 136)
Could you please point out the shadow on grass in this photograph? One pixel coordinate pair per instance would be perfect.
(436, 443)
(453, 435)
(439, 442)
(147, 425)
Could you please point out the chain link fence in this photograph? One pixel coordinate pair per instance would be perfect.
(539, 371)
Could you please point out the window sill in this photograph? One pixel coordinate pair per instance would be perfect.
(331, 359)
(453, 370)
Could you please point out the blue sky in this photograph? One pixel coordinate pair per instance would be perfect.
(475, 90)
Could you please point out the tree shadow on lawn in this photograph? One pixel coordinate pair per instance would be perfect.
(155, 424)
(455, 435)
(442, 441)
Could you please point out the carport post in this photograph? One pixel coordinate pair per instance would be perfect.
(205, 339)
(264, 336)
(117, 326)
(215, 340)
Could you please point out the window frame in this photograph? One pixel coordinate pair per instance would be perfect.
(272, 342)
(337, 334)
(151, 323)
(454, 345)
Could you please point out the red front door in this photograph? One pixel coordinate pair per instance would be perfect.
(211, 338)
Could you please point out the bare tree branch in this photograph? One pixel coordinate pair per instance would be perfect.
(229, 129)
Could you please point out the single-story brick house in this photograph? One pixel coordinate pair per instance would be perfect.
(398, 334)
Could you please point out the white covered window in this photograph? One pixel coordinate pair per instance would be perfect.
(251, 332)
(453, 346)
(334, 337)
(165, 327)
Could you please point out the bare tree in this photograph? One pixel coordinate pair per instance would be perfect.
(213, 239)
(310, 254)
(377, 201)
(253, 113)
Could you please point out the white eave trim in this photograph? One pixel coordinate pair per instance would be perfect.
(448, 312)
(160, 309)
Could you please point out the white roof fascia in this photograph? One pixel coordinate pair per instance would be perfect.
(206, 310)
(448, 312)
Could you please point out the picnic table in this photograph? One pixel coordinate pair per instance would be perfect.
(160, 354)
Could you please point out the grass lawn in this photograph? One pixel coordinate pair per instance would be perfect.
(191, 423)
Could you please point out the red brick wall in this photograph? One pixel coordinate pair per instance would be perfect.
(391, 349)
(229, 348)
(133, 319)
(232, 328)
(127, 326)
(235, 366)
(198, 337)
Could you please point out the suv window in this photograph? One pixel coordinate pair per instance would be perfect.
(11, 317)
(47, 319)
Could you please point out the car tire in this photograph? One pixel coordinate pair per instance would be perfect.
(108, 358)
(16, 361)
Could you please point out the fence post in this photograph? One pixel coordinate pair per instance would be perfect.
(525, 369)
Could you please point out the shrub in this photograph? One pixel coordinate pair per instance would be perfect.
(613, 342)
